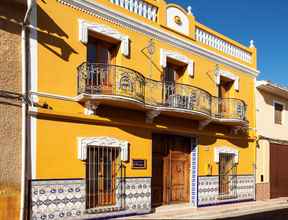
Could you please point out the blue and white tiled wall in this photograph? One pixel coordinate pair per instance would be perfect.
(56, 199)
(208, 190)
(138, 193)
(194, 176)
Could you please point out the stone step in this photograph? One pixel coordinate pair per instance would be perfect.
(171, 207)
(110, 215)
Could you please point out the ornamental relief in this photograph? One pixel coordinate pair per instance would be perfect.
(84, 142)
(177, 20)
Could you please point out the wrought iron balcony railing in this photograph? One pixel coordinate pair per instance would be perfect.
(228, 108)
(112, 80)
(95, 78)
(178, 96)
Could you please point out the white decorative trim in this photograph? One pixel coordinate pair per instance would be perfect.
(151, 115)
(222, 45)
(85, 26)
(171, 14)
(90, 109)
(189, 9)
(228, 75)
(194, 172)
(105, 13)
(141, 8)
(33, 51)
(252, 44)
(51, 95)
(225, 150)
(83, 142)
(33, 133)
(176, 56)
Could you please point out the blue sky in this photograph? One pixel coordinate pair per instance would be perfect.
(264, 21)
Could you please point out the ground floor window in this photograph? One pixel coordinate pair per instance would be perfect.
(227, 175)
(102, 168)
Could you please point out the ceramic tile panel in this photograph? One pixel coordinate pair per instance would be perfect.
(138, 193)
(208, 190)
(54, 199)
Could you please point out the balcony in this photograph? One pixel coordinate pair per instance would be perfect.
(123, 87)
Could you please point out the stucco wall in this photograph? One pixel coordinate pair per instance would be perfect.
(10, 111)
(263, 161)
(265, 116)
(207, 147)
(266, 127)
(60, 52)
(57, 148)
(10, 79)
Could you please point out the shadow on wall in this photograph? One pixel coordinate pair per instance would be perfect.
(145, 52)
(11, 22)
(270, 98)
(51, 36)
(208, 141)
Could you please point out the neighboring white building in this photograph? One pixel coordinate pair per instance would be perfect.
(272, 148)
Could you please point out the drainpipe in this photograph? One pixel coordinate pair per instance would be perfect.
(25, 74)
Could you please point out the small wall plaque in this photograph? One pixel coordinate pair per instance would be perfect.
(139, 164)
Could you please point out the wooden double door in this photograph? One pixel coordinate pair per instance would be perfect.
(170, 169)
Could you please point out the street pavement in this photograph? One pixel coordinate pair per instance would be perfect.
(274, 209)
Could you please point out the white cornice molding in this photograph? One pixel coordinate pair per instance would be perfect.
(272, 88)
(85, 27)
(96, 9)
(178, 57)
(84, 142)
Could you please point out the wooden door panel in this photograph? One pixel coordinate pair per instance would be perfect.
(157, 181)
(178, 180)
(170, 171)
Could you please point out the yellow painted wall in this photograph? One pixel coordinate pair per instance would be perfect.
(207, 146)
(60, 53)
(57, 147)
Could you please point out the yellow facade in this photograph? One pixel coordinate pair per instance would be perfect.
(60, 52)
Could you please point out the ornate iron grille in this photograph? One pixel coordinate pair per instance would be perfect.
(96, 78)
(105, 79)
(228, 108)
(103, 175)
(186, 97)
(227, 176)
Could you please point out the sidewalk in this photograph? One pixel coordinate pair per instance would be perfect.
(183, 211)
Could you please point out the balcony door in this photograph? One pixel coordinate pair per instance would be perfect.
(101, 56)
(224, 93)
(172, 74)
